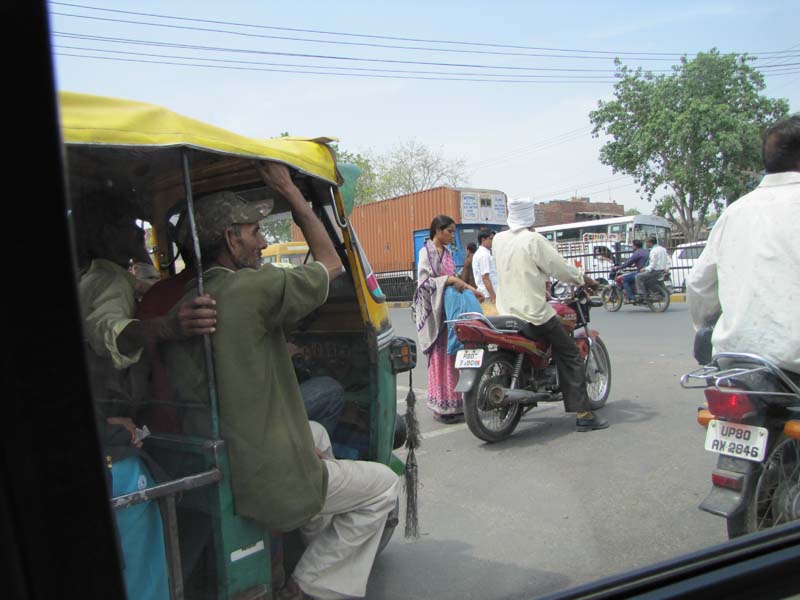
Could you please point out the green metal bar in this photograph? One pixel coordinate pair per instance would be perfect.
(169, 488)
(207, 346)
(170, 518)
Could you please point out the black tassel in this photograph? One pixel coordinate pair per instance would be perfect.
(413, 441)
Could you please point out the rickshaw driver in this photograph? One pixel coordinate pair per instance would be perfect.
(278, 476)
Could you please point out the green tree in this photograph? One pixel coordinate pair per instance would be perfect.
(411, 166)
(276, 231)
(690, 139)
(366, 186)
(630, 212)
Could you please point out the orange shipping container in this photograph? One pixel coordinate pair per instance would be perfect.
(386, 228)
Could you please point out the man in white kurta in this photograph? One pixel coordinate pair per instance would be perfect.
(525, 260)
(748, 271)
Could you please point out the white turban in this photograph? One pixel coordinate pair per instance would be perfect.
(521, 213)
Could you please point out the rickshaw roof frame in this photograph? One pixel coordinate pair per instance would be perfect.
(97, 127)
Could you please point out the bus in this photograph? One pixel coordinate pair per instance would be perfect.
(615, 229)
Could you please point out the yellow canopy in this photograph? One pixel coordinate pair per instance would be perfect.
(88, 120)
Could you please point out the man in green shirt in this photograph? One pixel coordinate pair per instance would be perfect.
(107, 293)
(279, 476)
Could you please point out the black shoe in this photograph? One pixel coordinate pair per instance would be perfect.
(590, 424)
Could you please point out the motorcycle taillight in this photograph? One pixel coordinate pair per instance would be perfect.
(732, 406)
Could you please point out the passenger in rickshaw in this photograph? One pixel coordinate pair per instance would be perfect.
(107, 294)
(162, 415)
(278, 476)
(323, 396)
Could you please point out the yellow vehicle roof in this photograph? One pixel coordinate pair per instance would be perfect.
(285, 248)
(98, 121)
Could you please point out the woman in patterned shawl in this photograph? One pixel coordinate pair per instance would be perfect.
(435, 272)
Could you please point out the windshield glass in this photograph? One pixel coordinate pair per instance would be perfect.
(315, 413)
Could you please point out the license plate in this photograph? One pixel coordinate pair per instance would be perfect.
(735, 439)
(469, 359)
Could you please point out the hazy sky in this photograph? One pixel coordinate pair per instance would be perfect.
(525, 138)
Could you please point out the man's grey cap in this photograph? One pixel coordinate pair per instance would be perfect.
(216, 212)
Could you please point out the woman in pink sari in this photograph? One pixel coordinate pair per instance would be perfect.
(435, 271)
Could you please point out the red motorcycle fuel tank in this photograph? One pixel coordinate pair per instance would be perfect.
(566, 315)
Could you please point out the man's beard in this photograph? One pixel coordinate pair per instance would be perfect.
(246, 262)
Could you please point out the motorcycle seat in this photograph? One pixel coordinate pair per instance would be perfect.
(507, 322)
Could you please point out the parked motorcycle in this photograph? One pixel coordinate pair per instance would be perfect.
(504, 374)
(753, 422)
(657, 297)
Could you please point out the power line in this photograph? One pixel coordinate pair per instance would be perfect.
(320, 56)
(366, 75)
(133, 41)
(344, 43)
(517, 155)
(584, 186)
(511, 152)
(363, 44)
(386, 37)
(274, 64)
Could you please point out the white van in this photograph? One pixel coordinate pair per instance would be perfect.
(683, 259)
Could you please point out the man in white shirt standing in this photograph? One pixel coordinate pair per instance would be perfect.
(748, 270)
(657, 265)
(525, 260)
(483, 267)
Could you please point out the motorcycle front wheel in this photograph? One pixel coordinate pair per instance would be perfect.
(598, 374)
(658, 300)
(611, 298)
(776, 498)
(487, 422)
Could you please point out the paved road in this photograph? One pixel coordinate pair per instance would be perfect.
(551, 508)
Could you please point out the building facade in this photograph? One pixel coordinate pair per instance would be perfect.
(558, 212)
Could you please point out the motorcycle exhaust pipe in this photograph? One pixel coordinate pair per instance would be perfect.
(501, 395)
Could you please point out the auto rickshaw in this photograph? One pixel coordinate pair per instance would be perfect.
(286, 254)
(160, 162)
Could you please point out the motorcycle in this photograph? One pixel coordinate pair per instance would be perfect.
(504, 374)
(657, 298)
(752, 420)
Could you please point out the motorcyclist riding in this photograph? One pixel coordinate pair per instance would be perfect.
(638, 259)
(657, 265)
(748, 269)
(524, 260)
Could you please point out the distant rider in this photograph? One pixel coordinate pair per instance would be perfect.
(748, 269)
(525, 259)
(657, 266)
(638, 259)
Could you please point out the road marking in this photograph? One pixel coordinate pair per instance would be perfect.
(402, 392)
(444, 431)
(421, 394)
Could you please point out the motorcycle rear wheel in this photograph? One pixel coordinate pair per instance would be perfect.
(486, 423)
(775, 498)
(658, 300)
(598, 374)
(611, 299)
